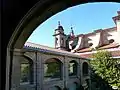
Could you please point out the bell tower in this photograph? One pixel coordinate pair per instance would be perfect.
(60, 41)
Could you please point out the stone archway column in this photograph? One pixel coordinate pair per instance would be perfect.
(65, 72)
(39, 71)
(79, 71)
(16, 72)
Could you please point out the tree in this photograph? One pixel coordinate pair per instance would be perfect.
(53, 69)
(25, 70)
(106, 67)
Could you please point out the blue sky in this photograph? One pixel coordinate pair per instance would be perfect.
(83, 18)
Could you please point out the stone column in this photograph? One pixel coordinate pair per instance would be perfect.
(40, 72)
(79, 71)
(15, 81)
(7, 69)
(65, 72)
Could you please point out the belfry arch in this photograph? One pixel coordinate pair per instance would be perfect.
(24, 24)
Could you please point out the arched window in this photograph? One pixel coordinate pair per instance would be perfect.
(85, 68)
(26, 67)
(111, 40)
(72, 68)
(90, 44)
(62, 42)
(52, 69)
(56, 41)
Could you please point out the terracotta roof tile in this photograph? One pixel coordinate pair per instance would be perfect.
(84, 50)
(99, 30)
(41, 48)
(86, 55)
(114, 54)
(112, 45)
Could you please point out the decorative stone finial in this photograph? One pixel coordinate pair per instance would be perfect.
(71, 28)
(58, 23)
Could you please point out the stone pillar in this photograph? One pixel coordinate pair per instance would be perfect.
(65, 72)
(7, 69)
(79, 71)
(15, 81)
(40, 72)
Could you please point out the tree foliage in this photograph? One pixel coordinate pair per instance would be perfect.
(106, 67)
(53, 69)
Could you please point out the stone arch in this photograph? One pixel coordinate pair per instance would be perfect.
(73, 67)
(58, 58)
(26, 67)
(85, 68)
(53, 69)
(35, 16)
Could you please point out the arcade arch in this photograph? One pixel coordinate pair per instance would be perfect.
(26, 71)
(73, 67)
(52, 69)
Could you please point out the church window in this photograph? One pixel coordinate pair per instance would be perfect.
(56, 41)
(111, 40)
(90, 44)
(62, 41)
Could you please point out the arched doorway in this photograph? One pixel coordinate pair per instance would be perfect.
(33, 18)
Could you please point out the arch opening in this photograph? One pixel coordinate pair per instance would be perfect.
(85, 68)
(52, 69)
(26, 71)
(73, 65)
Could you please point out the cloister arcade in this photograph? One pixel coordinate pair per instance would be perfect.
(41, 70)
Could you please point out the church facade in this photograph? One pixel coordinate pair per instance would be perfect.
(87, 44)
